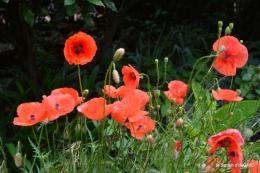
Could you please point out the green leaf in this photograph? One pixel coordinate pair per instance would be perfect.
(111, 5)
(247, 76)
(71, 9)
(28, 15)
(88, 19)
(11, 148)
(96, 2)
(6, 1)
(234, 115)
(69, 2)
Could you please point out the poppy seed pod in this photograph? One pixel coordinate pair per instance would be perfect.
(115, 76)
(18, 160)
(118, 54)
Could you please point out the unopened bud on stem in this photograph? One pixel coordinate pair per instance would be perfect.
(118, 54)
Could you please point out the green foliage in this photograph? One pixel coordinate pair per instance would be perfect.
(28, 15)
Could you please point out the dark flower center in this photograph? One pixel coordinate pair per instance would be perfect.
(139, 127)
(32, 117)
(232, 154)
(133, 76)
(78, 49)
(57, 106)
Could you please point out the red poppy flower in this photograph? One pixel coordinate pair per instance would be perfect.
(143, 97)
(254, 166)
(213, 164)
(58, 105)
(226, 94)
(232, 140)
(141, 126)
(124, 91)
(234, 55)
(80, 49)
(94, 108)
(69, 91)
(128, 108)
(177, 145)
(177, 91)
(110, 91)
(131, 77)
(30, 114)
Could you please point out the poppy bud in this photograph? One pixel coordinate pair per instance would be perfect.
(220, 24)
(227, 31)
(241, 41)
(203, 167)
(238, 91)
(247, 134)
(158, 107)
(173, 100)
(231, 26)
(77, 128)
(175, 154)
(156, 93)
(118, 54)
(166, 59)
(18, 160)
(221, 49)
(149, 138)
(231, 113)
(156, 61)
(85, 93)
(179, 122)
(115, 76)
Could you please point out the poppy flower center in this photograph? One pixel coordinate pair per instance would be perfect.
(57, 106)
(133, 76)
(224, 143)
(78, 49)
(232, 154)
(32, 117)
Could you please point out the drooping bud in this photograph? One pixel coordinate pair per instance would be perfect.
(18, 160)
(247, 134)
(220, 24)
(85, 93)
(179, 122)
(221, 49)
(166, 59)
(175, 154)
(227, 31)
(118, 54)
(149, 138)
(115, 76)
(231, 26)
